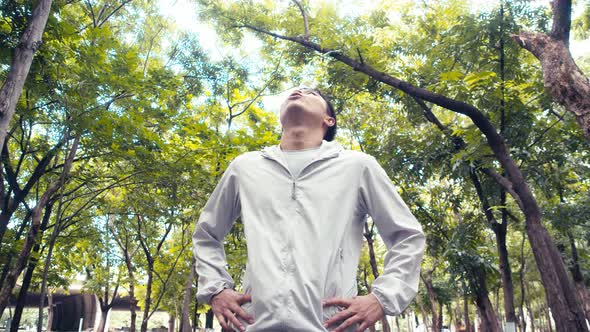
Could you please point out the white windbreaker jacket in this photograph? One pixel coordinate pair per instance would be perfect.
(304, 236)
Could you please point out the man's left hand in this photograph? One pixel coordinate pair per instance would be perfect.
(364, 310)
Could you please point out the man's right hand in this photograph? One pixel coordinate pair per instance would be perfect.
(226, 304)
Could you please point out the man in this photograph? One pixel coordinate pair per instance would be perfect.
(303, 203)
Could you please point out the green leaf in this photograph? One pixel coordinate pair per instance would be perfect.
(451, 76)
(474, 79)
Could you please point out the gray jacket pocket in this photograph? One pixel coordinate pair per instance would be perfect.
(248, 308)
(332, 310)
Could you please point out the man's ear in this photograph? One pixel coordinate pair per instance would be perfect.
(330, 121)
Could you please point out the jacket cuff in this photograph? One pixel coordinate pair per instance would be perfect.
(387, 306)
(205, 294)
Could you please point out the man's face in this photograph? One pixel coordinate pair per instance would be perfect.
(305, 106)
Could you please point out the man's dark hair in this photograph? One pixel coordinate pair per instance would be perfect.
(331, 132)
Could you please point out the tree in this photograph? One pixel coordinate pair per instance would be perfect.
(25, 252)
(21, 63)
(103, 269)
(562, 78)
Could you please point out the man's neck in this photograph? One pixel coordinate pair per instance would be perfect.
(300, 138)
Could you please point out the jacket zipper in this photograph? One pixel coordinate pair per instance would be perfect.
(293, 191)
(341, 269)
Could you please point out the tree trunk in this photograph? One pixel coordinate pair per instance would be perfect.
(423, 312)
(185, 322)
(49, 312)
(26, 282)
(22, 294)
(542, 324)
(171, 321)
(468, 327)
(124, 246)
(148, 297)
(8, 260)
(440, 315)
(578, 276)
(46, 272)
(531, 314)
(585, 297)
(478, 323)
(427, 280)
(24, 254)
(489, 320)
(521, 272)
(500, 230)
(132, 306)
(4, 218)
(196, 319)
(425, 320)
(21, 63)
(6, 268)
(506, 274)
(104, 312)
(209, 319)
(150, 258)
(547, 317)
(564, 304)
(131, 274)
(369, 236)
(458, 322)
(104, 304)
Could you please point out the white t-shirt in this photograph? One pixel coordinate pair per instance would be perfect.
(297, 159)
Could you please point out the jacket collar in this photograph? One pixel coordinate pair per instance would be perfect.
(328, 149)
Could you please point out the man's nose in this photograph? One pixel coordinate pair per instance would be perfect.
(299, 91)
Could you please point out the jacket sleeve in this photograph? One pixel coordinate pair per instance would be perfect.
(402, 234)
(215, 221)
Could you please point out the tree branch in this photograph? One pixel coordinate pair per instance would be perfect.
(113, 12)
(431, 117)
(459, 143)
(482, 198)
(478, 118)
(305, 23)
(504, 182)
(272, 78)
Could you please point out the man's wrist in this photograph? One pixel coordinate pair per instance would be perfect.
(378, 301)
(218, 292)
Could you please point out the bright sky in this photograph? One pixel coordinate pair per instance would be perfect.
(184, 14)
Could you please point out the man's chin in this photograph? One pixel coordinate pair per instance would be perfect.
(295, 107)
